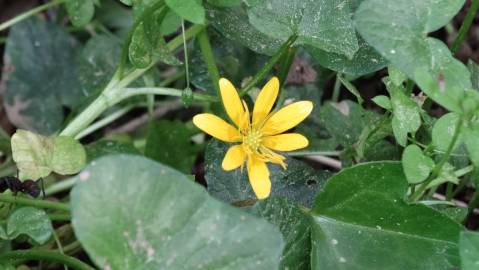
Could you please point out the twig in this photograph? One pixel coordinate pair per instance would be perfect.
(331, 162)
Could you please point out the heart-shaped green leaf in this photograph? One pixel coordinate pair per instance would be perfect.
(130, 212)
(28, 221)
(416, 165)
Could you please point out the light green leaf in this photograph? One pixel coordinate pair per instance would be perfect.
(37, 156)
(362, 222)
(39, 75)
(299, 182)
(406, 113)
(170, 23)
(474, 70)
(324, 24)
(80, 12)
(470, 136)
(169, 142)
(416, 165)
(443, 131)
(225, 3)
(469, 248)
(30, 221)
(383, 102)
(295, 227)
(190, 10)
(168, 222)
(398, 29)
(396, 76)
(68, 156)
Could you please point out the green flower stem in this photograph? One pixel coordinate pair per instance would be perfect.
(283, 74)
(43, 255)
(466, 24)
(60, 186)
(114, 89)
(60, 217)
(29, 13)
(35, 203)
(209, 59)
(336, 89)
(474, 202)
(72, 247)
(129, 92)
(269, 65)
(437, 169)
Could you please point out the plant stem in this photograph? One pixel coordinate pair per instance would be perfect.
(283, 72)
(268, 66)
(114, 88)
(43, 255)
(209, 59)
(437, 169)
(60, 186)
(60, 217)
(351, 88)
(474, 201)
(466, 24)
(29, 13)
(129, 92)
(185, 52)
(35, 203)
(336, 89)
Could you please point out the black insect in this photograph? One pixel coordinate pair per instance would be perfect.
(29, 187)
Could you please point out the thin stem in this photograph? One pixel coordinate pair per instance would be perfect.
(313, 153)
(474, 202)
(466, 24)
(60, 186)
(150, 99)
(351, 88)
(409, 87)
(60, 217)
(36, 203)
(185, 52)
(72, 247)
(129, 92)
(268, 66)
(43, 255)
(449, 191)
(283, 72)
(59, 245)
(437, 169)
(29, 13)
(209, 59)
(336, 89)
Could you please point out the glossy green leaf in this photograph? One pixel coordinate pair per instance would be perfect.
(37, 156)
(106, 147)
(169, 142)
(140, 50)
(39, 75)
(406, 113)
(163, 221)
(299, 182)
(324, 24)
(295, 226)
(190, 10)
(383, 102)
(366, 60)
(362, 222)
(416, 165)
(233, 24)
(29, 221)
(469, 248)
(443, 131)
(80, 12)
(398, 29)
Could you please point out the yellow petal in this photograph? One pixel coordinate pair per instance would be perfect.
(265, 101)
(258, 175)
(234, 158)
(285, 142)
(216, 127)
(287, 117)
(231, 101)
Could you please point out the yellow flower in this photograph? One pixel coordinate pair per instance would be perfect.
(258, 135)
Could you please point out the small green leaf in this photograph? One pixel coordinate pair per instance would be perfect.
(170, 23)
(169, 142)
(443, 131)
(37, 156)
(163, 221)
(299, 182)
(295, 227)
(406, 113)
(80, 12)
(68, 157)
(396, 76)
(383, 102)
(190, 10)
(108, 147)
(361, 215)
(416, 165)
(324, 24)
(32, 222)
(140, 48)
(469, 248)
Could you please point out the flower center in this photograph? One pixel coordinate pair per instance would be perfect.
(253, 140)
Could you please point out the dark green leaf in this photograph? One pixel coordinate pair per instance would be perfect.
(469, 248)
(39, 75)
(163, 221)
(299, 182)
(190, 10)
(362, 222)
(169, 142)
(108, 147)
(295, 227)
(80, 11)
(29, 221)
